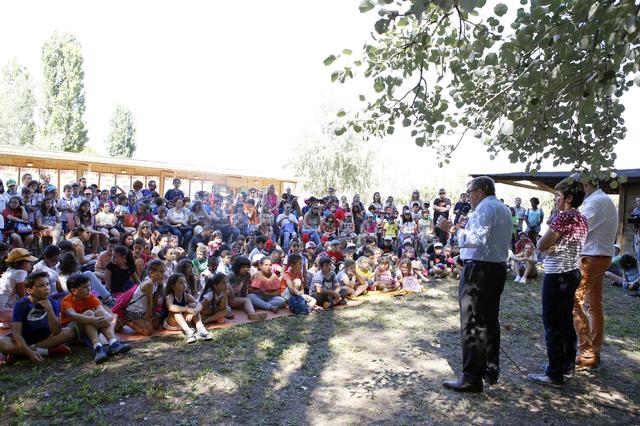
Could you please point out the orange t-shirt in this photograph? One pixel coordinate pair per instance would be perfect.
(79, 306)
(291, 277)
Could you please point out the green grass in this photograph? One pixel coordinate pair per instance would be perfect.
(381, 362)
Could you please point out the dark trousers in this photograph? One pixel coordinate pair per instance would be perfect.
(558, 291)
(481, 284)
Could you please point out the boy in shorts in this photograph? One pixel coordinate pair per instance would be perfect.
(36, 331)
(84, 312)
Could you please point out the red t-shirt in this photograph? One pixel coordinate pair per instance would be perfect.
(79, 306)
(267, 285)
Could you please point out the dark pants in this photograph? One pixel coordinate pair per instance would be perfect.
(481, 284)
(558, 291)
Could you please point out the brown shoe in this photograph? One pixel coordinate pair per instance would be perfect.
(586, 363)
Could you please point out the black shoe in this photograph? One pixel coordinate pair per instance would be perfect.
(461, 386)
(491, 378)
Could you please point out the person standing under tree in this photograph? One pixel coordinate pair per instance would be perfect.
(441, 207)
(588, 315)
(484, 249)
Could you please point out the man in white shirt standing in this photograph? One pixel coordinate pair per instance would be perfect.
(484, 249)
(588, 315)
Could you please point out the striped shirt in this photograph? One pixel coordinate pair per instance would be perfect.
(572, 227)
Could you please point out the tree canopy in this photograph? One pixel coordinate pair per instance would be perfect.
(325, 160)
(122, 137)
(543, 81)
(17, 105)
(63, 104)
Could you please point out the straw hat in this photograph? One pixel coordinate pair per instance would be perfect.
(20, 254)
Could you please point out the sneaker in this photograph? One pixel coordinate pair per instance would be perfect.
(191, 337)
(343, 302)
(61, 350)
(100, 354)
(109, 301)
(118, 348)
(543, 379)
(10, 359)
(204, 335)
(257, 316)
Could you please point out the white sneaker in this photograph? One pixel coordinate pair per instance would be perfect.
(191, 336)
(204, 334)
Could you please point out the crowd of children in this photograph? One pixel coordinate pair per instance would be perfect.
(170, 262)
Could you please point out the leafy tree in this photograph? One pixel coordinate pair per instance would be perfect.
(17, 105)
(326, 160)
(64, 107)
(122, 137)
(543, 81)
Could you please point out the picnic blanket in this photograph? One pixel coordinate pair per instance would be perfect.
(128, 335)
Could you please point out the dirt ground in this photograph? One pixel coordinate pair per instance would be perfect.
(379, 363)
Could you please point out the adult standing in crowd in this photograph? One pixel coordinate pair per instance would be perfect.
(588, 315)
(484, 249)
(174, 192)
(562, 243)
(441, 207)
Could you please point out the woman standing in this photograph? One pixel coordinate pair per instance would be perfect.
(562, 243)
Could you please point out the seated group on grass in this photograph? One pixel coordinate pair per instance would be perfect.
(110, 260)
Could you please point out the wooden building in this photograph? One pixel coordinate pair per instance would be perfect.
(66, 167)
(627, 193)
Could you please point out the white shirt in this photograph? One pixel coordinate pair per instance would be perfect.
(487, 235)
(52, 272)
(602, 218)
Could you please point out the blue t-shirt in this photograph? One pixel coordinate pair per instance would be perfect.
(534, 217)
(35, 324)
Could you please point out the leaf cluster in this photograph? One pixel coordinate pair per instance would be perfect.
(545, 81)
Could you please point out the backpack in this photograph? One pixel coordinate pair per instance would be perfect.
(124, 300)
(297, 305)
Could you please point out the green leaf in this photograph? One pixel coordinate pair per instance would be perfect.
(420, 141)
(468, 5)
(366, 5)
(491, 59)
(335, 75)
(341, 114)
(500, 9)
(406, 122)
(381, 26)
(329, 60)
(361, 97)
(341, 131)
(347, 52)
(390, 130)
(378, 85)
(403, 22)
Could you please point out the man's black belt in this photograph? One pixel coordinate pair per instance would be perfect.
(482, 262)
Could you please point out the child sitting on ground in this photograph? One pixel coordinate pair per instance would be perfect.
(364, 273)
(437, 262)
(214, 299)
(524, 264)
(35, 329)
(325, 287)
(407, 278)
(383, 278)
(200, 263)
(348, 280)
(183, 310)
(630, 279)
(293, 285)
(141, 313)
(264, 292)
(84, 312)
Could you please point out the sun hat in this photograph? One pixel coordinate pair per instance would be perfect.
(388, 238)
(334, 242)
(310, 244)
(437, 245)
(20, 254)
(11, 182)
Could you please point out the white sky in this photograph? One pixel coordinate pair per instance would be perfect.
(228, 84)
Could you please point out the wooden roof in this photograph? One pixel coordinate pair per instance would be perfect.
(546, 181)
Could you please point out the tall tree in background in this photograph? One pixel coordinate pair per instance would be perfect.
(541, 80)
(326, 160)
(122, 137)
(63, 108)
(17, 105)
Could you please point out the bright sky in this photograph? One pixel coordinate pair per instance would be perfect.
(232, 84)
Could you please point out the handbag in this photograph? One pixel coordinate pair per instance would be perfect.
(24, 229)
(297, 305)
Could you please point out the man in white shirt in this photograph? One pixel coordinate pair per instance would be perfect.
(484, 249)
(588, 315)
